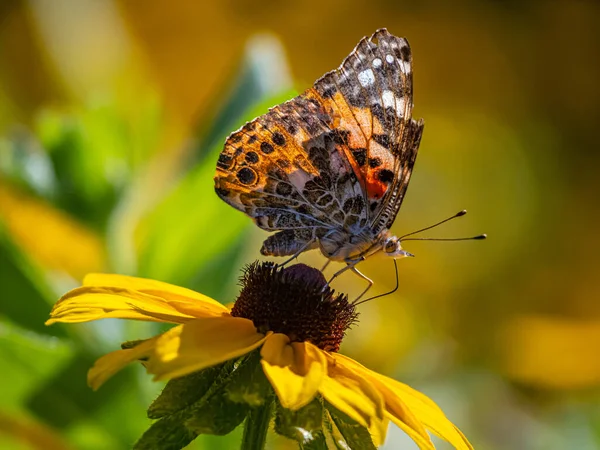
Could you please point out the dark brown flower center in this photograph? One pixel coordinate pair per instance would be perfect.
(295, 301)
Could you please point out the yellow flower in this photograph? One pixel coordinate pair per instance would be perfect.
(298, 343)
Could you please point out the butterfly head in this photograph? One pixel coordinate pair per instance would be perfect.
(392, 247)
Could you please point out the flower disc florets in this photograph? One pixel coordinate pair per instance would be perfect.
(295, 301)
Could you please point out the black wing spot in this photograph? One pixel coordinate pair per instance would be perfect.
(348, 204)
(405, 53)
(225, 161)
(359, 204)
(283, 163)
(284, 189)
(278, 138)
(252, 157)
(246, 175)
(360, 156)
(266, 148)
(385, 175)
(375, 162)
(329, 92)
(222, 192)
(382, 139)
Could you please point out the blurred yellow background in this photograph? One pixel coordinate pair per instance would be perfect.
(112, 114)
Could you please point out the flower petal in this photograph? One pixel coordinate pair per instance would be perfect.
(101, 302)
(410, 407)
(295, 370)
(146, 285)
(424, 443)
(106, 366)
(432, 417)
(354, 396)
(378, 431)
(394, 404)
(202, 343)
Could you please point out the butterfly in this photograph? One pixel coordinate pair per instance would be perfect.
(329, 168)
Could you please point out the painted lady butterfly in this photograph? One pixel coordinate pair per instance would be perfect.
(329, 169)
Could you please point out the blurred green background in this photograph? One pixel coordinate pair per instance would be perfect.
(112, 114)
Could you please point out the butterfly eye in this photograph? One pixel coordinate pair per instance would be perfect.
(390, 246)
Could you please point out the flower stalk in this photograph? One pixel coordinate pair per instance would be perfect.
(256, 426)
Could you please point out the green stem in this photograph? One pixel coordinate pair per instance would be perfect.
(256, 426)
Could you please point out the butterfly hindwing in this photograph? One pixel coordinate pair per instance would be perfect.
(286, 170)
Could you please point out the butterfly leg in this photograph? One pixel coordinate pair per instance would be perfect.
(364, 277)
(325, 266)
(335, 275)
(349, 266)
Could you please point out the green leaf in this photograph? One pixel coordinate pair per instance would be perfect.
(27, 359)
(26, 296)
(248, 383)
(169, 433)
(303, 425)
(355, 435)
(180, 393)
(317, 442)
(199, 403)
(218, 415)
(79, 151)
(66, 398)
(95, 149)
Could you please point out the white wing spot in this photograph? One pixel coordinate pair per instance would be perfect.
(391, 101)
(400, 107)
(366, 78)
(389, 59)
(377, 62)
(388, 99)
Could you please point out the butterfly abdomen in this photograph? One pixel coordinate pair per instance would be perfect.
(286, 242)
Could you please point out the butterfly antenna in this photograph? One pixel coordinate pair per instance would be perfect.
(473, 238)
(458, 214)
(387, 293)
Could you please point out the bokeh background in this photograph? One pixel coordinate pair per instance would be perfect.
(112, 114)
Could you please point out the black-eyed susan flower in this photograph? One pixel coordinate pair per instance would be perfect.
(274, 354)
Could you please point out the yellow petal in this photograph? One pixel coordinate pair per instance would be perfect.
(424, 443)
(375, 430)
(394, 404)
(101, 302)
(355, 397)
(111, 363)
(406, 405)
(378, 431)
(432, 417)
(148, 286)
(295, 370)
(202, 343)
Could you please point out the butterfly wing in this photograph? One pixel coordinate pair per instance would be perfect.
(372, 93)
(335, 160)
(286, 169)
